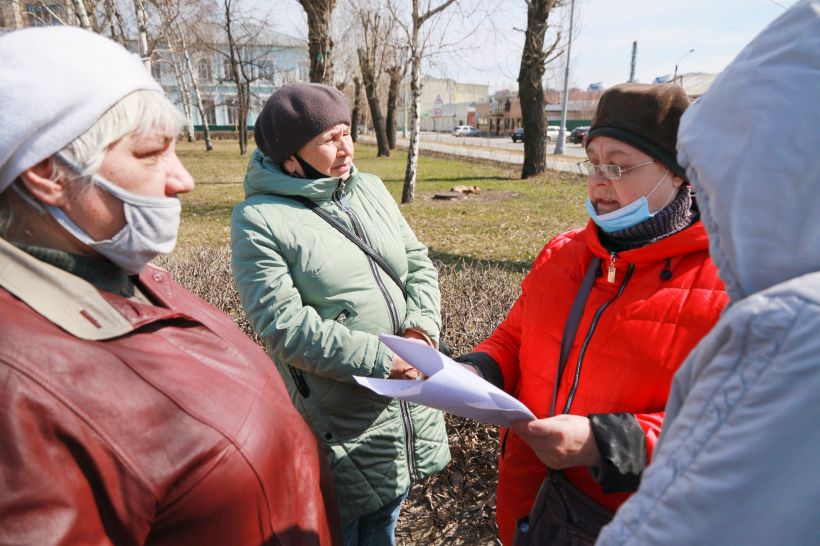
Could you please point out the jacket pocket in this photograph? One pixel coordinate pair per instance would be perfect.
(300, 381)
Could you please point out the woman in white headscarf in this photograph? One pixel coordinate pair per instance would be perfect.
(131, 412)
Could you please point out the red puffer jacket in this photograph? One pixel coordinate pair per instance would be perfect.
(632, 337)
(147, 424)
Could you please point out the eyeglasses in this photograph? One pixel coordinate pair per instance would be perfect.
(610, 172)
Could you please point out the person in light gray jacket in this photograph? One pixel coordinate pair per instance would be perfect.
(738, 460)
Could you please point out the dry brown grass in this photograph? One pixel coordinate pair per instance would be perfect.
(457, 506)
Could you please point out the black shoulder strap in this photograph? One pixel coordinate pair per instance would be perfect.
(355, 239)
(571, 327)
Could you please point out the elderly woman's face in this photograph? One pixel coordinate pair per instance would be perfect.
(610, 195)
(330, 152)
(142, 164)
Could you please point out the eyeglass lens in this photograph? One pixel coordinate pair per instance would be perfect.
(613, 172)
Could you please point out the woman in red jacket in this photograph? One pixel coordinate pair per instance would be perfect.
(655, 294)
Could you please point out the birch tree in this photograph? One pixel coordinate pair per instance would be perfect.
(82, 14)
(142, 34)
(17, 14)
(114, 21)
(178, 18)
(194, 80)
(416, 51)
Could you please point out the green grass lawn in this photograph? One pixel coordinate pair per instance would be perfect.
(508, 223)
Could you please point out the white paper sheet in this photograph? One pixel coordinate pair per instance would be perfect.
(448, 387)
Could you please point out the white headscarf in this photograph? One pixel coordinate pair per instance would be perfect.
(55, 83)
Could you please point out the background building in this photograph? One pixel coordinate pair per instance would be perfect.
(444, 104)
(270, 59)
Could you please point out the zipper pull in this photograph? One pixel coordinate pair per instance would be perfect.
(341, 197)
(610, 275)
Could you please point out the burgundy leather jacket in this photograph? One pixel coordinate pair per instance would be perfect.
(128, 423)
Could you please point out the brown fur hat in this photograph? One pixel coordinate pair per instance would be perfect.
(645, 116)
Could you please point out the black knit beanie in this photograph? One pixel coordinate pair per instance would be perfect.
(645, 116)
(295, 114)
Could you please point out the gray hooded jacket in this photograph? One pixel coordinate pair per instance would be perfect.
(738, 460)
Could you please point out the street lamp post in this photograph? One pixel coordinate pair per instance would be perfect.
(675, 77)
(559, 145)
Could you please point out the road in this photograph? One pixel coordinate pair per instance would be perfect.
(501, 149)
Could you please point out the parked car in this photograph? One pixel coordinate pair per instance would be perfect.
(578, 134)
(552, 134)
(466, 130)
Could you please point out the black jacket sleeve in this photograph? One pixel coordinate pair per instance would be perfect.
(622, 445)
(484, 363)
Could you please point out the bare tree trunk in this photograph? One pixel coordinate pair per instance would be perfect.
(369, 79)
(17, 13)
(531, 87)
(396, 74)
(236, 76)
(416, 53)
(408, 192)
(142, 33)
(357, 101)
(82, 14)
(114, 17)
(184, 92)
(320, 44)
(243, 108)
(189, 67)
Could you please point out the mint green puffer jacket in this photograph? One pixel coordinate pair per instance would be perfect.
(319, 302)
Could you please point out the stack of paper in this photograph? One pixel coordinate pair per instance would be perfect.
(448, 387)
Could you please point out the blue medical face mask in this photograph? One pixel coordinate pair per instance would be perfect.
(630, 215)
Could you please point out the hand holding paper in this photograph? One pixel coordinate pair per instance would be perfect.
(448, 387)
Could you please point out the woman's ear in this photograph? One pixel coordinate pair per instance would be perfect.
(292, 167)
(38, 181)
(677, 181)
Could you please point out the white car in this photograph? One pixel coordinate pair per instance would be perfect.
(466, 130)
(552, 133)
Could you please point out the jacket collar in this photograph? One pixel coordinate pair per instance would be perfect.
(265, 177)
(691, 239)
(75, 305)
(68, 301)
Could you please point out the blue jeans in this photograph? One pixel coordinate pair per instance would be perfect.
(376, 528)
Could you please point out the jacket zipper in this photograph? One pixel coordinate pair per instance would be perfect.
(610, 275)
(408, 438)
(592, 326)
(341, 201)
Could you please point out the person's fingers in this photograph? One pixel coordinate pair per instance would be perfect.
(541, 427)
(520, 426)
(402, 370)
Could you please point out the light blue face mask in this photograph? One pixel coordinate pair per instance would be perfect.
(629, 215)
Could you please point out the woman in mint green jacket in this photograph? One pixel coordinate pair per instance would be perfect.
(319, 302)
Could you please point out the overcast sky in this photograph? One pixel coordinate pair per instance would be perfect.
(490, 50)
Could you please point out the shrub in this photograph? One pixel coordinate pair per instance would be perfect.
(457, 506)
